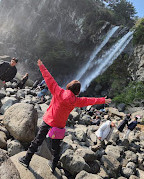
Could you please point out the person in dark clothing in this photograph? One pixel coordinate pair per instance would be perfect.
(7, 71)
(23, 81)
(124, 122)
(96, 120)
(43, 92)
(131, 126)
(36, 83)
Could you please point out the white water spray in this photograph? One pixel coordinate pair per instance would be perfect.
(96, 51)
(98, 66)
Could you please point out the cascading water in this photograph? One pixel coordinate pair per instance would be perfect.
(96, 51)
(98, 66)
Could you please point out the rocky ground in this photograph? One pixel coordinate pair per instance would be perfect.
(20, 118)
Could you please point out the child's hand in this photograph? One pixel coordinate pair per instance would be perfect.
(39, 62)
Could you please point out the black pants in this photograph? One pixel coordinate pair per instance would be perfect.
(38, 140)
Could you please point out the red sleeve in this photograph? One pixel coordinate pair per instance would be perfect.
(50, 81)
(84, 101)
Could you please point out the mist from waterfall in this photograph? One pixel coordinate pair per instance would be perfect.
(97, 66)
(96, 51)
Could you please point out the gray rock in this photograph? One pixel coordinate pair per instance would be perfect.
(67, 143)
(21, 121)
(94, 166)
(127, 172)
(14, 147)
(140, 161)
(103, 172)
(74, 115)
(111, 164)
(3, 140)
(133, 177)
(114, 151)
(38, 168)
(73, 163)
(131, 156)
(80, 134)
(142, 136)
(93, 137)
(20, 94)
(7, 168)
(121, 107)
(2, 94)
(86, 120)
(114, 138)
(140, 173)
(87, 154)
(86, 175)
(10, 90)
(131, 165)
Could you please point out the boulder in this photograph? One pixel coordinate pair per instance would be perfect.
(87, 154)
(80, 134)
(2, 94)
(133, 177)
(85, 175)
(11, 91)
(73, 163)
(74, 115)
(3, 140)
(111, 164)
(114, 151)
(94, 166)
(21, 121)
(127, 172)
(85, 120)
(114, 111)
(20, 94)
(38, 168)
(140, 173)
(14, 147)
(7, 168)
(121, 107)
(131, 156)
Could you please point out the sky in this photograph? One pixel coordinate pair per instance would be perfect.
(139, 6)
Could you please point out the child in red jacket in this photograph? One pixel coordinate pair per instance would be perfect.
(62, 103)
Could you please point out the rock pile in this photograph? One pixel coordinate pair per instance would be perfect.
(22, 115)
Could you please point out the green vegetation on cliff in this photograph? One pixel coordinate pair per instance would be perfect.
(133, 93)
(138, 38)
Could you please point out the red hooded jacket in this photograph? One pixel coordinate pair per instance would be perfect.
(63, 102)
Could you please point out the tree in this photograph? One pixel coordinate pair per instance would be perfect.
(124, 11)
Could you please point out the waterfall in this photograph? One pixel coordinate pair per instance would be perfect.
(96, 51)
(96, 67)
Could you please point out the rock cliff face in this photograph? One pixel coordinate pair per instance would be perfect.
(51, 30)
(137, 65)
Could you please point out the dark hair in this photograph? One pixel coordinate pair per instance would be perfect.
(15, 59)
(74, 86)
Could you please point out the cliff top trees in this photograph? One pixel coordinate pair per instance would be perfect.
(124, 12)
(138, 38)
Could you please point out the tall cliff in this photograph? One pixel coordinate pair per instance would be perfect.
(63, 33)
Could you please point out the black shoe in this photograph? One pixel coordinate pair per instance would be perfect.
(23, 162)
(50, 164)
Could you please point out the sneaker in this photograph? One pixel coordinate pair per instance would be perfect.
(23, 162)
(51, 166)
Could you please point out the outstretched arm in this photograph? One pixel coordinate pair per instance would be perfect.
(84, 101)
(50, 81)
